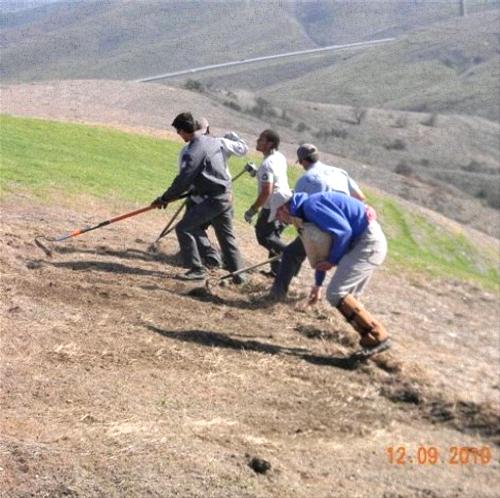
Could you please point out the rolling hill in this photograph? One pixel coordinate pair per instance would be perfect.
(150, 107)
(450, 67)
(129, 40)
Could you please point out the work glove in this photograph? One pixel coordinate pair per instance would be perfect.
(251, 169)
(159, 203)
(249, 214)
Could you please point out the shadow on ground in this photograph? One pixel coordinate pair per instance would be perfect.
(217, 339)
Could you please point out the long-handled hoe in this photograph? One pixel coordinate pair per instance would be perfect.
(214, 282)
(80, 231)
(249, 168)
(168, 228)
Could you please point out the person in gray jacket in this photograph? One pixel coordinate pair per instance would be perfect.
(231, 145)
(202, 173)
(318, 177)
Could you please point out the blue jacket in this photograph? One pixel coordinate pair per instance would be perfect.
(343, 217)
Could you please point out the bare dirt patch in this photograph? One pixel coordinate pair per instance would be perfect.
(117, 381)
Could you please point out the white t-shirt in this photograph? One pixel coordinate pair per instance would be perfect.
(273, 170)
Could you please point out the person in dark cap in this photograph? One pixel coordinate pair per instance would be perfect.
(202, 173)
(318, 177)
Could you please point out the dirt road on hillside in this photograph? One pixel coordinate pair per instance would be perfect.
(115, 381)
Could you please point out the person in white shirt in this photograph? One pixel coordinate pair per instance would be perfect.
(271, 178)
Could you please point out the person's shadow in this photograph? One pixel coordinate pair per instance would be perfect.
(220, 340)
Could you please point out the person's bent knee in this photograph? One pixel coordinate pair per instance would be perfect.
(180, 229)
(335, 297)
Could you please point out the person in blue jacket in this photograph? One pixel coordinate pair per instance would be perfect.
(353, 242)
(318, 177)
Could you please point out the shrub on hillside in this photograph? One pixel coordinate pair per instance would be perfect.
(194, 85)
(431, 120)
(403, 169)
(325, 134)
(397, 144)
(493, 198)
(401, 122)
(359, 115)
(232, 105)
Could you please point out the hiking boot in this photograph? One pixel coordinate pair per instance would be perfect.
(195, 274)
(212, 263)
(368, 352)
(276, 297)
(240, 279)
(268, 273)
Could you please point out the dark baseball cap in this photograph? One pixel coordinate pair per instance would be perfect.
(308, 152)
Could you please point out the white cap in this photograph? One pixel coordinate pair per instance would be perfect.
(277, 200)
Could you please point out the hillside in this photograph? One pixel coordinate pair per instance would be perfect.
(333, 22)
(129, 40)
(149, 107)
(451, 67)
(119, 380)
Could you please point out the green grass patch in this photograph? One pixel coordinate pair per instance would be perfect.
(49, 158)
(418, 245)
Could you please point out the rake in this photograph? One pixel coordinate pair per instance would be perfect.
(80, 231)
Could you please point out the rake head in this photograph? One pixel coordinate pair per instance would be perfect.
(42, 246)
(153, 248)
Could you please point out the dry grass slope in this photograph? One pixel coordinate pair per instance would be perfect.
(117, 381)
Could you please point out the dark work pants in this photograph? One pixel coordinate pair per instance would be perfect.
(217, 213)
(268, 236)
(208, 253)
(292, 258)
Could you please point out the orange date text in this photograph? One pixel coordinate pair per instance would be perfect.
(431, 455)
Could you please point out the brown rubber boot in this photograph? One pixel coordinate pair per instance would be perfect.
(372, 332)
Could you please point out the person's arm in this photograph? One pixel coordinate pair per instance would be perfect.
(265, 193)
(235, 146)
(319, 277)
(355, 191)
(182, 182)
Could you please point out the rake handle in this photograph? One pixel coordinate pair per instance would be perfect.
(167, 230)
(248, 268)
(79, 231)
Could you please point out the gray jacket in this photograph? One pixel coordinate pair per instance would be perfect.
(203, 171)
